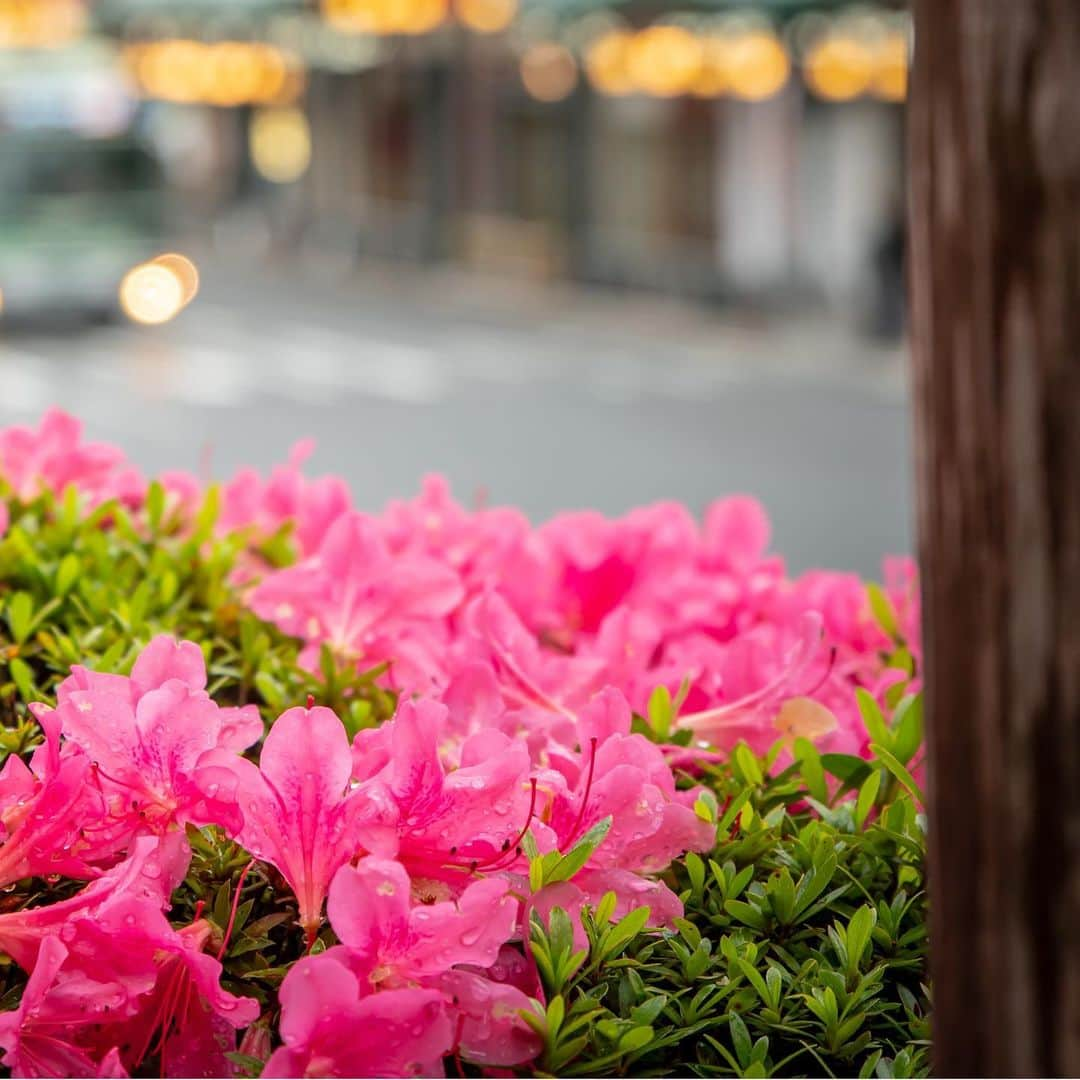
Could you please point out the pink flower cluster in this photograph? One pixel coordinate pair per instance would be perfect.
(519, 656)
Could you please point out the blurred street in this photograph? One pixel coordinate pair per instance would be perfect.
(550, 397)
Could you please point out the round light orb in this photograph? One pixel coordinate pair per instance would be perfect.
(664, 61)
(607, 63)
(486, 16)
(549, 71)
(184, 270)
(151, 294)
(839, 68)
(891, 61)
(279, 140)
(758, 65)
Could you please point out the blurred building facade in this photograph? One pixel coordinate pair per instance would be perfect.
(749, 151)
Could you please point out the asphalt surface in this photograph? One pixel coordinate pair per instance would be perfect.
(549, 399)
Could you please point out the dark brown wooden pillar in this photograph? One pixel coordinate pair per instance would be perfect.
(995, 212)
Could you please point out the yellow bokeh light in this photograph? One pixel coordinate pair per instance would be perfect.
(280, 144)
(757, 65)
(225, 73)
(486, 16)
(712, 78)
(607, 63)
(838, 68)
(549, 71)
(235, 73)
(351, 16)
(416, 16)
(41, 24)
(171, 70)
(151, 294)
(664, 61)
(184, 270)
(890, 78)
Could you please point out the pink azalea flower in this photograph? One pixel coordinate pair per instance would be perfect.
(186, 1017)
(146, 878)
(750, 714)
(469, 815)
(391, 942)
(737, 532)
(624, 777)
(490, 1030)
(543, 683)
(45, 1036)
(146, 736)
(487, 548)
(47, 811)
(607, 563)
(367, 605)
(53, 456)
(331, 1027)
(312, 506)
(299, 812)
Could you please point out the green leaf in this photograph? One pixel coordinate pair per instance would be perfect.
(813, 774)
(851, 770)
(660, 712)
(746, 913)
(20, 615)
(556, 1013)
(898, 771)
(695, 870)
(67, 573)
(872, 718)
(747, 764)
(732, 812)
(867, 794)
(635, 1039)
(883, 610)
(155, 505)
(566, 866)
(740, 1038)
(859, 928)
(908, 729)
(23, 678)
(617, 937)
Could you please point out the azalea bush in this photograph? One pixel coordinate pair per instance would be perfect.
(291, 789)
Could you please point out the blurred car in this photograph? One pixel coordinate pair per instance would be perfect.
(76, 214)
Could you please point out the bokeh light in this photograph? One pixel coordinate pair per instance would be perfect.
(280, 143)
(758, 65)
(224, 73)
(712, 79)
(184, 270)
(486, 16)
(549, 71)
(839, 68)
(151, 294)
(607, 63)
(664, 61)
(411, 17)
(890, 78)
(41, 24)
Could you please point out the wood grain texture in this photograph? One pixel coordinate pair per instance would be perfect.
(995, 212)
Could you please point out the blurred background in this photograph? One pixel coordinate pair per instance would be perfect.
(568, 252)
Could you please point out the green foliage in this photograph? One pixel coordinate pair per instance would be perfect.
(94, 589)
(802, 950)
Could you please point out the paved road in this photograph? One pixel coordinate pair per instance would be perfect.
(549, 400)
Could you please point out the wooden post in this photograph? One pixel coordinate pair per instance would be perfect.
(995, 174)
